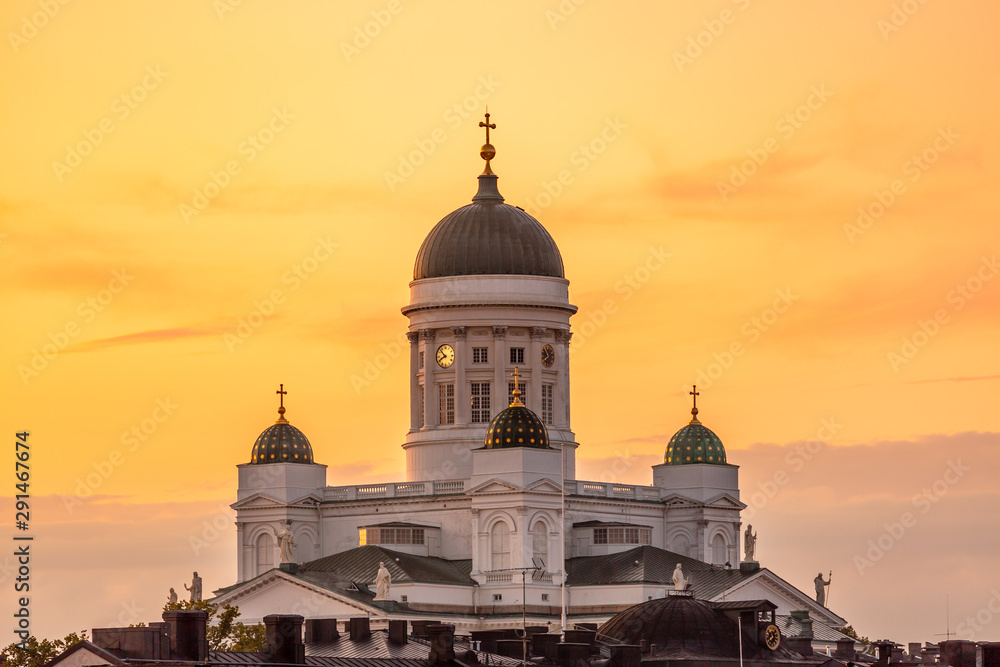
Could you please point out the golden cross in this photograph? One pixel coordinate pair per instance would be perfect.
(694, 392)
(281, 394)
(515, 377)
(488, 125)
(516, 394)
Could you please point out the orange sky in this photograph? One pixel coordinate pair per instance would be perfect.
(738, 137)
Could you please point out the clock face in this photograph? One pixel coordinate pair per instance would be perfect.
(548, 356)
(445, 356)
(772, 636)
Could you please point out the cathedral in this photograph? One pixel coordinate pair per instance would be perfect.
(491, 526)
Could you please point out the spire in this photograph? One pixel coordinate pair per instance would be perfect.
(694, 408)
(488, 192)
(281, 407)
(515, 401)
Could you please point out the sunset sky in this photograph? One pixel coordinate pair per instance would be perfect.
(200, 200)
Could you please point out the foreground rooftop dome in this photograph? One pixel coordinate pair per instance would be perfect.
(694, 443)
(281, 442)
(488, 237)
(516, 426)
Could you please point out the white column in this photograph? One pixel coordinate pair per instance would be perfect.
(463, 410)
(535, 364)
(561, 408)
(430, 389)
(240, 552)
(499, 371)
(414, 338)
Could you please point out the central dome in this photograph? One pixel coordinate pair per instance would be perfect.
(488, 237)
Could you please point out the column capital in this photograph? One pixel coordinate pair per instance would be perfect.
(413, 337)
(427, 335)
(459, 332)
(537, 332)
(563, 336)
(521, 510)
(500, 332)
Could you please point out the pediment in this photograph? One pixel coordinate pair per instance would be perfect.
(769, 586)
(677, 500)
(545, 486)
(277, 592)
(494, 486)
(263, 500)
(726, 501)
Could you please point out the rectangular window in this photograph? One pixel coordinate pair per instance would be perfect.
(446, 403)
(387, 536)
(498, 597)
(421, 358)
(480, 402)
(420, 419)
(480, 355)
(517, 355)
(403, 599)
(371, 535)
(645, 536)
(522, 386)
(631, 536)
(616, 536)
(600, 536)
(418, 536)
(546, 404)
(545, 597)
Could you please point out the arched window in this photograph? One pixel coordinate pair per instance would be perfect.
(718, 550)
(540, 543)
(265, 553)
(681, 545)
(500, 541)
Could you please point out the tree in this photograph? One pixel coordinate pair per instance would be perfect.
(850, 632)
(35, 653)
(225, 633)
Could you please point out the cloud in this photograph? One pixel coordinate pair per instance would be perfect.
(151, 336)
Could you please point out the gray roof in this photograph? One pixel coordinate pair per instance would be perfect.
(650, 565)
(821, 631)
(488, 237)
(360, 565)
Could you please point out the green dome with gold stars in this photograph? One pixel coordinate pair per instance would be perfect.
(281, 442)
(516, 426)
(694, 444)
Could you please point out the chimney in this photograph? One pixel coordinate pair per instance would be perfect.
(801, 616)
(397, 631)
(958, 653)
(284, 638)
(360, 629)
(321, 631)
(625, 655)
(990, 654)
(801, 645)
(442, 643)
(188, 634)
(884, 649)
(845, 649)
(913, 650)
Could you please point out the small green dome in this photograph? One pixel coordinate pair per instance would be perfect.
(281, 443)
(694, 444)
(517, 426)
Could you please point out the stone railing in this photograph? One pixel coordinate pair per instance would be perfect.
(454, 486)
(609, 490)
(393, 490)
(499, 577)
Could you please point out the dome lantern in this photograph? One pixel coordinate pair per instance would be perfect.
(695, 443)
(281, 442)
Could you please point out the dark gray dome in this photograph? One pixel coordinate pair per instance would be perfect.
(488, 237)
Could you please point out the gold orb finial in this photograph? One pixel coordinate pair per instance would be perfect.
(488, 152)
